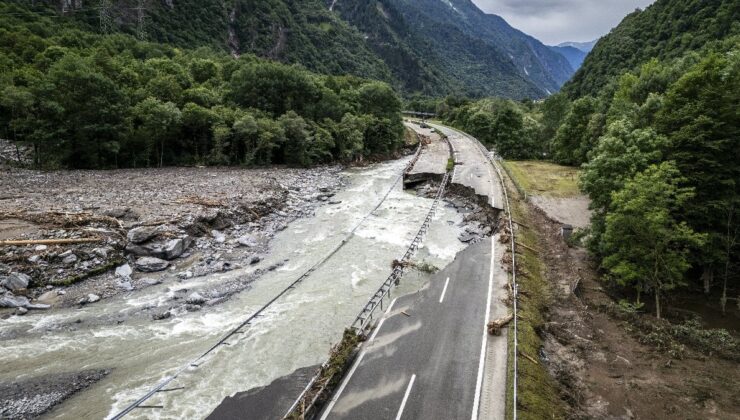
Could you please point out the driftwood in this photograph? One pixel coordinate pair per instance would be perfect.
(50, 241)
(494, 327)
(528, 357)
(529, 248)
(206, 202)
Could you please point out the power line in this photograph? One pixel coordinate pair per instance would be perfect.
(141, 21)
(105, 14)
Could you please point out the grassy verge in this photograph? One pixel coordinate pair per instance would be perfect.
(544, 178)
(538, 396)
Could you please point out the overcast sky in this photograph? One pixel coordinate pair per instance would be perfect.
(556, 21)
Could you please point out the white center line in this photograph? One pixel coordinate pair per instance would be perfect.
(482, 361)
(444, 290)
(405, 397)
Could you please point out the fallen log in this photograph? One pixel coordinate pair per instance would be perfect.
(529, 358)
(494, 327)
(50, 241)
(526, 247)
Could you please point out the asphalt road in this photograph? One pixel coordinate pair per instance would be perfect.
(432, 162)
(473, 170)
(424, 360)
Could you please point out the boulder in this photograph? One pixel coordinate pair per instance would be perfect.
(175, 247)
(161, 315)
(50, 298)
(151, 282)
(163, 250)
(126, 285)
(218, 236)
(92, 298)
(247, 240)
(40, 248)
(124, 271)
(195, 299)
(21, 311)
(141, 234)
(9, 300)
(69, 259)
(15, 281)
(151, 264)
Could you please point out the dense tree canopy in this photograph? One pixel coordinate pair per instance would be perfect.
(83, 100)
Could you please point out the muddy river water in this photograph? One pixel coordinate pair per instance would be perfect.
(295, 332)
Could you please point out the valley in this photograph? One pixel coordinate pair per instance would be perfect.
(362, 209)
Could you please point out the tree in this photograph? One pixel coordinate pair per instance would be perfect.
(700, 118)
(156, 122)
(88, 108)
(645, 246)
(297, 147)
(573, 139)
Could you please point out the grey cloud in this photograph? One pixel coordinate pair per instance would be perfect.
(555, 21)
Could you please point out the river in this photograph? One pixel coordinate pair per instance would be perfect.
(297, 331)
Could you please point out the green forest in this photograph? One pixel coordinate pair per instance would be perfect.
(658, 138)
(85, 100)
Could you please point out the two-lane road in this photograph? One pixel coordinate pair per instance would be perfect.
(430, 356)
(424, 360)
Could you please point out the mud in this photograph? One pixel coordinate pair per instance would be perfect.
(604, 371)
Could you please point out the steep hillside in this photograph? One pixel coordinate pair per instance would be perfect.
(665, 30)
(303, 32)
(478, 52)
(574, 56)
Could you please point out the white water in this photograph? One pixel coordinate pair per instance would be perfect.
(295, 332)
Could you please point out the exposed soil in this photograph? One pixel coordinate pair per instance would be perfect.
(568, 210)
(605, 372)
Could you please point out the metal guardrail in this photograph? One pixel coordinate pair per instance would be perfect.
(223, 341)
(365, 317)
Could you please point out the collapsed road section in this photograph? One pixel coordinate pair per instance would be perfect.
(429, 355)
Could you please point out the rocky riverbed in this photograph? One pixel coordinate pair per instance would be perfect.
(82, 236)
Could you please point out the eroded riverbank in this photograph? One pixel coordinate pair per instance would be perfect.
(296, 332)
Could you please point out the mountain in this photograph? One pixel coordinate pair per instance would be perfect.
(665, 30)
(583, 46)
(574, 56)
(454, 40)
(430, 47)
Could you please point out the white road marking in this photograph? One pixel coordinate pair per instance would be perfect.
(380, 324)
(405, 397)
(481, 363)
(335, 398)
(444, 290)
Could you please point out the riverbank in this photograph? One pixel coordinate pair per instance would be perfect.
(194, 221)
(120, 333)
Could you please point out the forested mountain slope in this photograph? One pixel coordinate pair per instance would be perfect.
(477, 53)
(667, 29)
(420, 46)
(81, 99)
(652, 118)
(574, 56)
